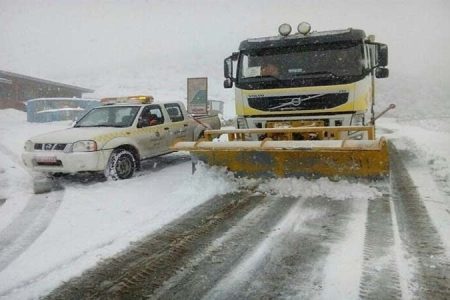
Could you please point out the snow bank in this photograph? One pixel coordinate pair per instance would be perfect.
(301, 187)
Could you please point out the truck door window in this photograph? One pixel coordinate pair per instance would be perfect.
(150, 116)
(174, 112)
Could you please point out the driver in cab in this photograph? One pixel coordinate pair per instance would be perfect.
(270, 69)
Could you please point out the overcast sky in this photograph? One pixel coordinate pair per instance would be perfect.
(60, 40)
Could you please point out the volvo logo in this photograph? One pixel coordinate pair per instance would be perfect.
(296, 101)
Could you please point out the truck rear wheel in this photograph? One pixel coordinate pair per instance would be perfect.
(121, 165)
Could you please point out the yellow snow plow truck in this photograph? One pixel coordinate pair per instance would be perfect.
(305, 107)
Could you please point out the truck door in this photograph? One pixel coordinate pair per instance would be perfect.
(179, 127)
(153, 135)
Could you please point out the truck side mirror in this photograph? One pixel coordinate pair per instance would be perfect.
(228, 83)
(381, 72)
(228, 67)
(382, 50)
(141, 123)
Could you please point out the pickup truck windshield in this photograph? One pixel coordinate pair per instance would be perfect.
(326, 61)
(109, 116)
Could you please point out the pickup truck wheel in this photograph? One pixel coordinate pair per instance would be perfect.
(121, 165)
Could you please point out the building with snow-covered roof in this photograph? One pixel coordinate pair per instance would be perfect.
(15, 89)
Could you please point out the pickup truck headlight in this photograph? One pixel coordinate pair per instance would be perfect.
(84, 146)
(28, 147)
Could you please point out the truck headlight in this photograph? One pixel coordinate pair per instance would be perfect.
(28, 147)
(84, 146)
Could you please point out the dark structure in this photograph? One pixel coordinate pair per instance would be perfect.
(15, 89)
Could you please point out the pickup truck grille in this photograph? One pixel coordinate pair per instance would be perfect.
(50, 147)
(57, 163)
(300, 102)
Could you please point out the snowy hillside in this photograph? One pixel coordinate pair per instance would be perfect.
(151, 47)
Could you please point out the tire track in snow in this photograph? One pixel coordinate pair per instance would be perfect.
(144, 267)
(28, 226)
(418, 234)
(208, 267)
(380, 278)
(11, 293)
(30, 223)
(289, 262)
(40, 209)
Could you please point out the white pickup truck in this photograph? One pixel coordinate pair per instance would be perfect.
(114, 138)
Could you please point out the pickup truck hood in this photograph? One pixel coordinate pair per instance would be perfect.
(71, 135)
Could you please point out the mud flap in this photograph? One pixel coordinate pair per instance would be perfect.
(194, 162)
(45, 184)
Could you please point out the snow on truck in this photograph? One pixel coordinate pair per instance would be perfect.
(304, 105)
(115, 137)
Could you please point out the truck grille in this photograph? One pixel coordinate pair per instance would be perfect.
(300, 102)
(49, 147)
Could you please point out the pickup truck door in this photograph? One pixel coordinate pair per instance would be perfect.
(179, 129)
(152, 132)
(179, 132)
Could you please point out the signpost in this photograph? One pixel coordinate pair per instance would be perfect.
(197, 96)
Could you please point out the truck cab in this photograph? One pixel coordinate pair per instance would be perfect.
(306, 79)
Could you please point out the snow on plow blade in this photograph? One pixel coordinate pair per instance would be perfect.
(292, 158)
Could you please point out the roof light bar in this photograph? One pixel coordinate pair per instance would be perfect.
(129, 99)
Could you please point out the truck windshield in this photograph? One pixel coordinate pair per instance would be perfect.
(323, 61)
(109, 116)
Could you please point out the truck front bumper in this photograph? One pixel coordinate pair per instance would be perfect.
(61, 162)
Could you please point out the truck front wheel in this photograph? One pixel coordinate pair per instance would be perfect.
(121, 165)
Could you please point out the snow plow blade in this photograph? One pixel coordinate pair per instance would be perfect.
(292, 158)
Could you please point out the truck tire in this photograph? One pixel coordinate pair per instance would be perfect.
(121, 165)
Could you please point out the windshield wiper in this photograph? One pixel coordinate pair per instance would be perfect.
(314, 74)
(269, 76)
(100, 125)
(261, 77)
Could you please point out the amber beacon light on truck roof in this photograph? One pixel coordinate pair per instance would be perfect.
(127, 100)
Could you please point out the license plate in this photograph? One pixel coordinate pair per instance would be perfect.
(46, 159)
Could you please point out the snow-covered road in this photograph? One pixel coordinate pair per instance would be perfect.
(378, 242)
(322, 238)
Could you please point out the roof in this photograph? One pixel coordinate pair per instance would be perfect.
(59, 84)
(347, 35)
